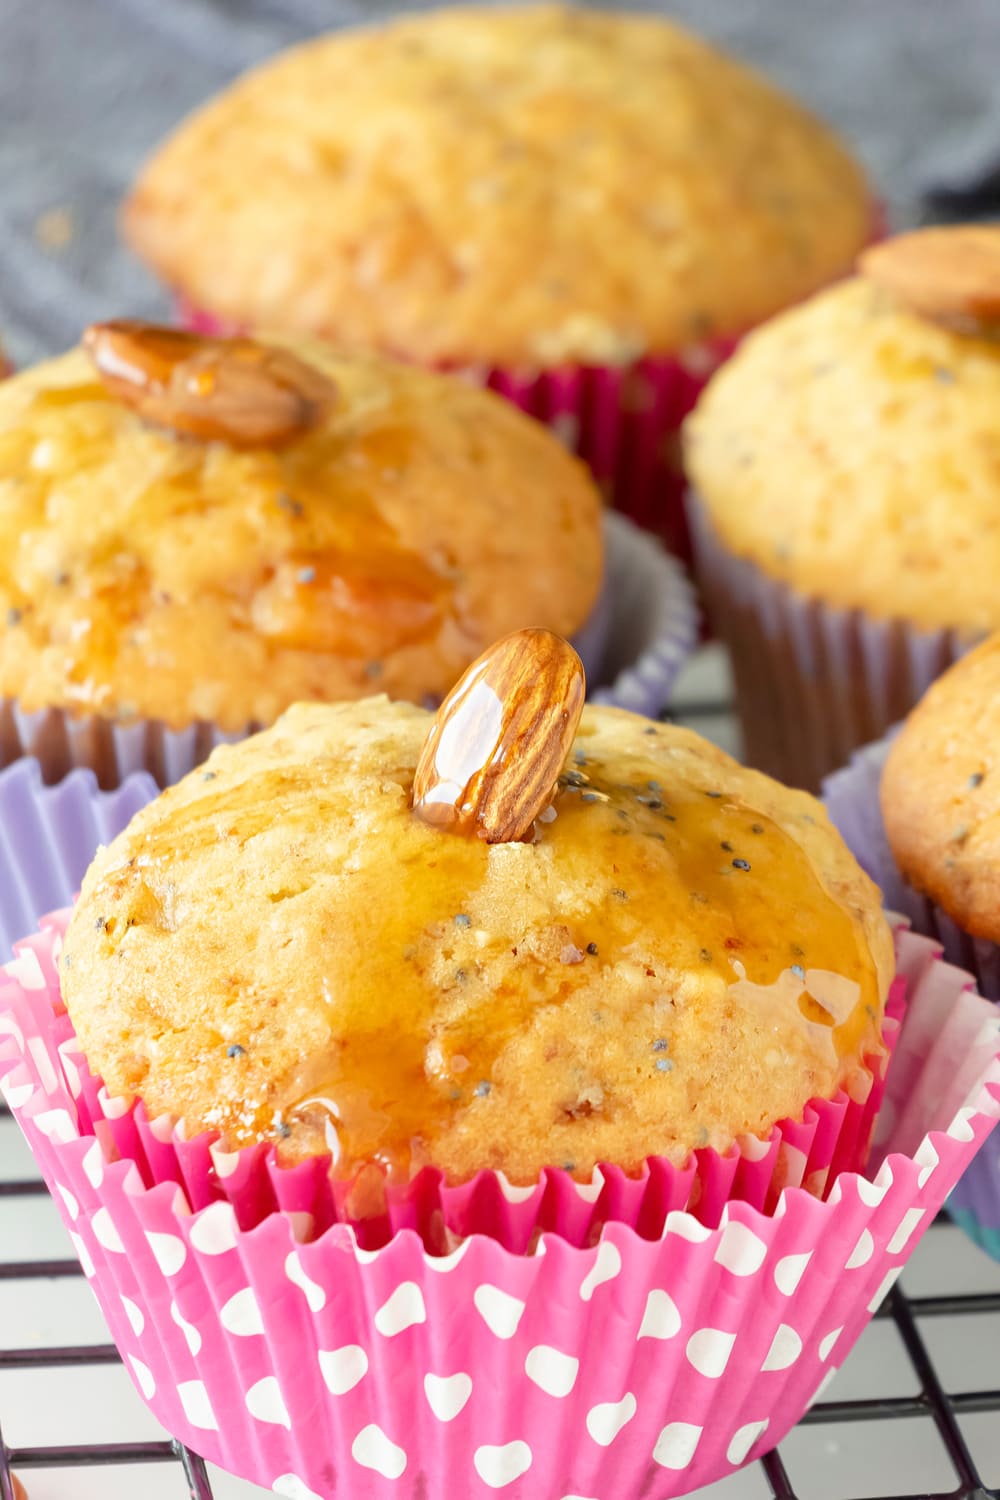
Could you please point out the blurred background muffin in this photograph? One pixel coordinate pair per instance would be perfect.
(921, 810)
(583, 210)
(177, 565)
(847, 469)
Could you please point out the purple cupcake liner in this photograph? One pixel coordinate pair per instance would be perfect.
(852, 800)
(654, 622)
(49, 835)
(642, 630)
(813, 682)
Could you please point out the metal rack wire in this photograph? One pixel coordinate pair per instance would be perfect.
(932, 1400)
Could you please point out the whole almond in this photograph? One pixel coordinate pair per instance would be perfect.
(948, 275)
(493, 755)
(234, 391)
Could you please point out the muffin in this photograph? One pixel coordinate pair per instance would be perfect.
(679, 955)
(201, 532)
(309, 1333)
(847, 466)
(921, 811)
(941, 794)
(549, 198)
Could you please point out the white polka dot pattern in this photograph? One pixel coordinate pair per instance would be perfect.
(534, 1374)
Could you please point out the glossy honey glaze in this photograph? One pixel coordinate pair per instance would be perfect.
(146, 574)
(683, 954)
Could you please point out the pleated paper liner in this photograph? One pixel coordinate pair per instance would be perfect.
(852, 799)
(640, 634)
(812, 682)
(645, 1363)
(623, 421)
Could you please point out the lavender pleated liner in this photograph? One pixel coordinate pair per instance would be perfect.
(638, 637)
(813, 682)
(852, 800)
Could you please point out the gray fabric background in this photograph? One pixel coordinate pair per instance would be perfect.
(88, 86)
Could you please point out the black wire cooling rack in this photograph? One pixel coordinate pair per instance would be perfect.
(931, 1400)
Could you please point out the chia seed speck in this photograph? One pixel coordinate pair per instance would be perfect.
(283, 1130)
(373, 669)
(14, 616)
(661, 1044)
(589, 797)
(976, 779)
(799, 971)
(713, 794)
(654, 786)
(237, 1051)
(727, 846)
(592, 949)
(651, 730)
(619, 894)
(663, 1065)
(705, 955)
(307, 575)
(462, 919)
(208, 775)
(741, 864)
(287, 502)
(756, 828)
(483, 1088)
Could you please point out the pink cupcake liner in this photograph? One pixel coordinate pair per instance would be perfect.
(852, 799)
(640, 634)
(813, 682)
(623, 421)
(288, 1353)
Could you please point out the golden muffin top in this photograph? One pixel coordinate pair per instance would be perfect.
(527, 186)
(852, 446)
(283, 948)
(391, 524)
(941, 793)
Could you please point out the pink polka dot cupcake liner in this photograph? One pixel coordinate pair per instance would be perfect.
(852, 799)
(813, 682)
(623, 421)
(647, 1358)
(641, 632)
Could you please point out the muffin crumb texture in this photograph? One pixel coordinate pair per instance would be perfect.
(278, 949)
(148, 575)
(527, 186)
(851, 448)
(941, 793)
